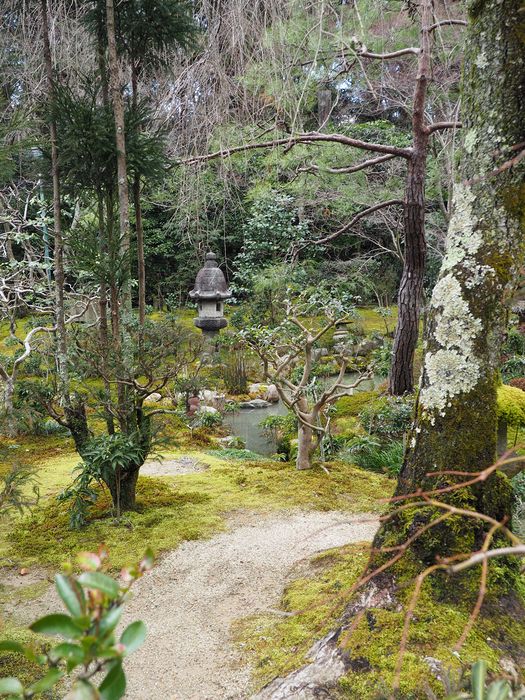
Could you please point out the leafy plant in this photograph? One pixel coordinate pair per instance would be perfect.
(89, 646)
(207, 419)
(18, 490)
(105, 460)
(479, 690)
(369, 454)
(388, 418)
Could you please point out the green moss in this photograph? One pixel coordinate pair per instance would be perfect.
(174, 509)
(277, 646)
(351, 406)
(15, 664)
(511, 405)
(373, 321)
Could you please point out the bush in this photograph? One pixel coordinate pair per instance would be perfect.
(388, 418)
(515, 343)
(513, 367)
(207, 419)
(368, 454)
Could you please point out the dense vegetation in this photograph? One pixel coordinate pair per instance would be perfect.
(340, 187)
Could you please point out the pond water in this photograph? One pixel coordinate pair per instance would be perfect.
(245, 422)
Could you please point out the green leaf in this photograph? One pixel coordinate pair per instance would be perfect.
(479, 673)
(68, 595)
(57, 624)
(500, 690)
(48, 681)
(113, 686)
(11, 686)
(83, 690)
(110, 620)
(100, 582)
(69, 652)
(133, 636)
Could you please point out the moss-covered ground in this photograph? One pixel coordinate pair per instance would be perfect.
(169, 510)
(313, 605)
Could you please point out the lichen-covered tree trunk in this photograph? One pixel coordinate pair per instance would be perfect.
(456, 424)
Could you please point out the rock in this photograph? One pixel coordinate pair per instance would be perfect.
(154, 398)
(272, 395)
(208, 409)
(212, 398)
(254, 403)
(23, 572)
(510, 669)
(194, 403)
(258, 389)
(435, 666)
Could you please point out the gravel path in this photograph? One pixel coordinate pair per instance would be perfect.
(196, 592)
(172, 467)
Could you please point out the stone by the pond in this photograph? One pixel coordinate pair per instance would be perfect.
(272, 395)
(155, 397)
(208, 409)
(255, 403)
(257, 389)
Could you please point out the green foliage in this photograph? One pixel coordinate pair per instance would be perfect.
(273, 227)
(369, 454)
(514, 343)
(19, 490)
(482, 689)
(106, 458)
(511, 405)
(94, 602)
(87, 147)
(236, 453)
(388, 418)
(207, 419)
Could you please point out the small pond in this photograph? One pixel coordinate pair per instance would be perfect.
(245, 422)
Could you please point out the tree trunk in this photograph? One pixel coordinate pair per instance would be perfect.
(456, 421)
(122, 176)
(139, 229)
(61, 349)
(140, 251)
(304, 447)
(9, 411)
(123, 487)
(401, 379)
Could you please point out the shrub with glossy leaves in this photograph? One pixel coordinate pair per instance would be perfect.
(89, 646)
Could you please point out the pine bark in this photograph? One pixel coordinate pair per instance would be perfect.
(401, 380)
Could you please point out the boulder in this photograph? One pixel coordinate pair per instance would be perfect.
(255, 403)
(154, 398)
(194, 403)
(272, 395)
(258, 389)
(208, 409)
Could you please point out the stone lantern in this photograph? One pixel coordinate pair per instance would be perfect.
(210, 292)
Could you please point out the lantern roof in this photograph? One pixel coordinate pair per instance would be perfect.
(210, 282)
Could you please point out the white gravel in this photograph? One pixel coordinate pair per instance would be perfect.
(172, 467)
(196, 592)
